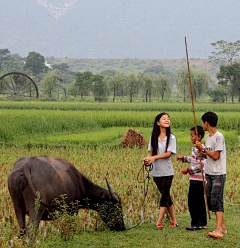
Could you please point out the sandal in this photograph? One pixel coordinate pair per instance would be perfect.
(215, 234)
(160, 225)
(172, 224)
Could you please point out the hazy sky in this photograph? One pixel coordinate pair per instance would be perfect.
(152, 29)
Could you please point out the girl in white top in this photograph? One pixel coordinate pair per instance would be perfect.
(162, 145)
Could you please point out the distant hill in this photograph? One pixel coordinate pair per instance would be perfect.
(134, 65)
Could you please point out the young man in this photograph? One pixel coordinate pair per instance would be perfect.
(196, 202)
(215, 170)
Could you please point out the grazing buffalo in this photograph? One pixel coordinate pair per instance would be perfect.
(53, 178)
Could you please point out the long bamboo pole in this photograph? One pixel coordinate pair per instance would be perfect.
(196, 130)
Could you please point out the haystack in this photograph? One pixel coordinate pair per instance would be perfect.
(133, 138)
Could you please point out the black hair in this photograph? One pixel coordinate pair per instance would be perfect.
(211, 118)
(200, 131)
(156, 133)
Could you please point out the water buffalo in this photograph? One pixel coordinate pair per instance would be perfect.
(52, 178)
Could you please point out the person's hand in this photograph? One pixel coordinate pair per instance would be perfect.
(199, 146)
(199, 154)
(180, 158)
(184, 170)
(148, 160)
(145, 163)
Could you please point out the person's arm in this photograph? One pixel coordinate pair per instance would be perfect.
(149, 159)
(184, 159)
(214, 155)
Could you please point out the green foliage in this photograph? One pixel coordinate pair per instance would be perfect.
(35, 63)
(138, 107)
(89, 127)
(156, 70)
(61, 67)
(83, 83)
(51, 82)
(162, 86)
(65, 217)
(147, 86)
(133, 85)
(226, 52)
(121, 166)
(10, 62)
(115, 84)
(229, 78)
(110, 213)
(200, 83)
(4, 56)
(183, 83)
(32, 229)
(218, 94)
(99, 88)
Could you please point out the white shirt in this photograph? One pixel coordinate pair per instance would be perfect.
(216, 143)
(163, 167)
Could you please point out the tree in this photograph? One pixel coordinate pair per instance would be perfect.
(73, 89)
(133, 85)
(99, 88)
(4, 56)
(229, 75)
(51, 82)
(147, 86)
(153, 70)
(10, 62)
(84, 82)
(115, 84)
(217, 94)
(109, 73)
(66, 88)
(200, 82)
(61, 67)
(226, 52)
(162, 85)
(183, 83)
(35, 62)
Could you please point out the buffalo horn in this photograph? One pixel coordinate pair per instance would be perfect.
(112, 192)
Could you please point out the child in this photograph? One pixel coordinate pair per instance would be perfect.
(196, 202)
(215, 170)
(162, 145)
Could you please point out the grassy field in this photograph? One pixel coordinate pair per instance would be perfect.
(147, 235)
(90, 139)
(28, 126)
(172, 107)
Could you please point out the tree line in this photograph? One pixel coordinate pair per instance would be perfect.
(58, 82)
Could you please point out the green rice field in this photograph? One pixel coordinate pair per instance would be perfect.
(89, 135)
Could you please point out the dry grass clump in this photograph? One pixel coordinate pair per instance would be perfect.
(133, 138)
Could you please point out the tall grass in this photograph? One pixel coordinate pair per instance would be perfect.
(18, 123)
(93, 106)
(121, 167)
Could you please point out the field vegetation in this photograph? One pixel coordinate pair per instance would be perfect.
(89, 136)
(121, 106)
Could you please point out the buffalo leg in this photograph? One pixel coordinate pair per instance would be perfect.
(20, 210)
(34, 218)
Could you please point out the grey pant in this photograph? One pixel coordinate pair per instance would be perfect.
(215, 192)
